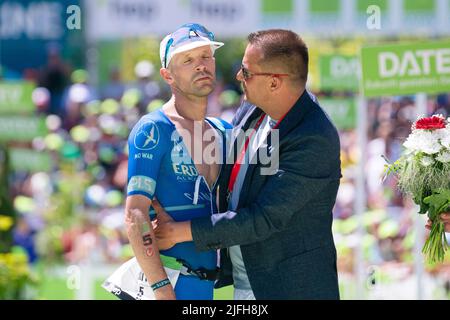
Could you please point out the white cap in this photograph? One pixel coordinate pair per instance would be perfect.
(190, 36)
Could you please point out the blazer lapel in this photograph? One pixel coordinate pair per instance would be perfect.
(290, 121)
(244, 124)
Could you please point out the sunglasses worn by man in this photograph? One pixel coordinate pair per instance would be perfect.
(247, 74)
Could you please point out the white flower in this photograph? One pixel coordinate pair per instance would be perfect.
(411, 142)
(427, 161)
(445, 140)
(425, 141)
(431, 148)
(444, 157)
(440, 133)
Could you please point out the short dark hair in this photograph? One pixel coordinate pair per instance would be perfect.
(283, 48)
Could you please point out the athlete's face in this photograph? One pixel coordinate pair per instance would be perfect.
(193, 72)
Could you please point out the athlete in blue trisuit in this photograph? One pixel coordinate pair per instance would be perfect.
(171, 160)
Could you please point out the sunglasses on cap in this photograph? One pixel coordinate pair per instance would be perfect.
(184, 33)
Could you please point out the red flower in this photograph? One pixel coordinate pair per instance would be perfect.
(430, 123)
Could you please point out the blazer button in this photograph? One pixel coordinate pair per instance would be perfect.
(214, 245)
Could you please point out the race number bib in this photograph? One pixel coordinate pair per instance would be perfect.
(129, 282)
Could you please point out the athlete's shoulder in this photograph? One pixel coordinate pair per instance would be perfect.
(149, 131)
(155, 117)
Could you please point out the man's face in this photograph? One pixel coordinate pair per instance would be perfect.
(194, 71)
(254, 87)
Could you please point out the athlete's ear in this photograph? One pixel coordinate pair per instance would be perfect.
(166, 75)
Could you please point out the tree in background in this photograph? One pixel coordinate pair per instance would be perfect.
(7, 212)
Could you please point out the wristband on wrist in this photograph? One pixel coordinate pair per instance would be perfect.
(160, 284)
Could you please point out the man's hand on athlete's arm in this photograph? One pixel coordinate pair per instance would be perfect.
(142, 240)
(168, 232)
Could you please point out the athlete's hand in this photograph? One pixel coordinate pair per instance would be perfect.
(161, 215)
(164, 227)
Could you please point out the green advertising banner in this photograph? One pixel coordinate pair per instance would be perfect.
(416, 6)
(15, 97)
(341, 111)
(362, 5)
(338, 72)
(29, 160)
(277, 7)
(406, 68)
(15, 128)
(325, 7)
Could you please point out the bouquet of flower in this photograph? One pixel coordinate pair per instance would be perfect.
(423, 171)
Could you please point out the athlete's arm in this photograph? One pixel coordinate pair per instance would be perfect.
(141, 186)
(142, 239)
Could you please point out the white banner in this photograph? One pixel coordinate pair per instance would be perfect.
(112, 19)
(115, 19)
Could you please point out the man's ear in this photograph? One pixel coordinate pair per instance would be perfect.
(166, 75)
(275, 83)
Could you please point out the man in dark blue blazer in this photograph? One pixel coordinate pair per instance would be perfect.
(274, 225)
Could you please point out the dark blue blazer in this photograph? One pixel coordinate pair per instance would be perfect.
(283, 221)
